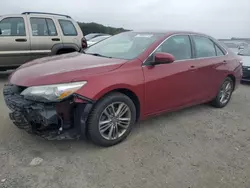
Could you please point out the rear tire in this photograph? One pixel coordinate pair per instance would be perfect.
(111, 119)
(224, 94)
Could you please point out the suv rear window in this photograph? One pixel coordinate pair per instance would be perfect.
(68, 28)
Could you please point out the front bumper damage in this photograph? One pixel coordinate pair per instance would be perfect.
(52, 121)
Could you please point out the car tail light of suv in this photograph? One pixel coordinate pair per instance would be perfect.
(84, 43)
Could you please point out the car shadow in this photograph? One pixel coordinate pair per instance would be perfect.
(140, 127)
(39, 146)
(169, 115)
(245, 83)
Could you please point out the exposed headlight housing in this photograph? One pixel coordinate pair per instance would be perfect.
(52, 93)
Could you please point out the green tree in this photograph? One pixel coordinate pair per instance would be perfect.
(99, 28)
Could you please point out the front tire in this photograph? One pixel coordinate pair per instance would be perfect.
(224, 94)
(111, 119)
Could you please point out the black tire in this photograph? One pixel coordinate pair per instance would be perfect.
(217, 102)
(93, 120)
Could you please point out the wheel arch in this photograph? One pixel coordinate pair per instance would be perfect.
(64, 47)
(129, 93)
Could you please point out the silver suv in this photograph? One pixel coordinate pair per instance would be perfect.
(32, 35)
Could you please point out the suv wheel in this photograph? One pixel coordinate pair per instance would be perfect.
(111, 120)
(224, 94)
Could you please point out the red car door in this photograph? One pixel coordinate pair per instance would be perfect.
(208, 58)
(171, 86)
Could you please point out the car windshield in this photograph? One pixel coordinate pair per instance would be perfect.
(97, 39)
(90, 36)
(128, 45)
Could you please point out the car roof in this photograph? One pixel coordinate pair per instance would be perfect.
(98, 34)
(169, 32)
(103, 36)
(40, 15)
(11, 15)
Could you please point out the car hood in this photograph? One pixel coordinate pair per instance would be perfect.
(246, 60)
(62, 69)
(90, 43)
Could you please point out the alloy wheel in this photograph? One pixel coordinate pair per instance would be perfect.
(225, 92)
(114, 120)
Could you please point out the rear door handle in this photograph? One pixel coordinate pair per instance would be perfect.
(55, 39)
(21, 40)
(192, 67)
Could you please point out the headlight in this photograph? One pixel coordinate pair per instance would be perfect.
(52, 93)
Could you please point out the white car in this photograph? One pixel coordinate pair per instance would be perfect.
(97, 39)
(245, 55)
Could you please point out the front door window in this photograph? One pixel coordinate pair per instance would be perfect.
(179, 46)
(12, 27)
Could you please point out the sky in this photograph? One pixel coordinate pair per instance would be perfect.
(219, 18)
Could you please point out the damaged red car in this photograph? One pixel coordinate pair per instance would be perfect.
(101, 93)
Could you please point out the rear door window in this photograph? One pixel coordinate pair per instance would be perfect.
(43, 27)
(51, 27)
(68, 28)
(204, 47)
(13, 27)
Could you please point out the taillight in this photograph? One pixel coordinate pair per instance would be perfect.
(84, 43)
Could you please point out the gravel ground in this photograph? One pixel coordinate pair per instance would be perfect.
(199, 147)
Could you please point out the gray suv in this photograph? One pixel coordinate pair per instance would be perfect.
(32, 35)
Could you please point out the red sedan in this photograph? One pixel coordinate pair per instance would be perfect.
(130, 76)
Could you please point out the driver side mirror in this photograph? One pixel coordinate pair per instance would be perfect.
(162, 58)
(1, 31)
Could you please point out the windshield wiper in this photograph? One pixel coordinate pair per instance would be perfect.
(99, 55)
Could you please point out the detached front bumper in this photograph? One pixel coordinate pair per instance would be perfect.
(53, 121)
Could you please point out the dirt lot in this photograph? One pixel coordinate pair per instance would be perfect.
(199, 147)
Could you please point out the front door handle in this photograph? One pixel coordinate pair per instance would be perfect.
(55, 39)
(21, 40)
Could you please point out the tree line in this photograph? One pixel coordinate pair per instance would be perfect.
(99, 28)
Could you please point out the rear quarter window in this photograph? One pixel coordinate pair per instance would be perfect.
(68, 28)
(219, 52)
